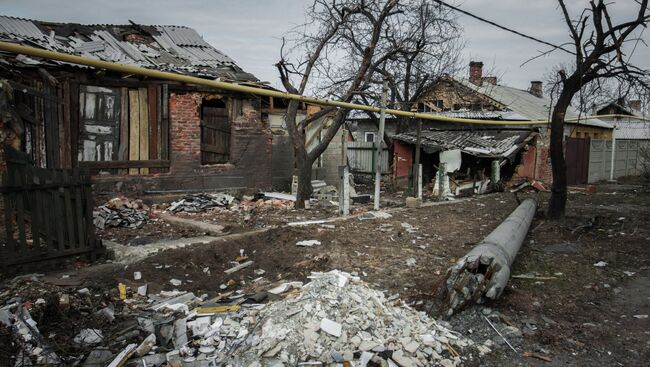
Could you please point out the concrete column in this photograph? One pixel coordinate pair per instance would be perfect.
(344, 190)
(443, 182)
(495, 173)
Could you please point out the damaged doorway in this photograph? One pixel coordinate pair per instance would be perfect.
(215, 132)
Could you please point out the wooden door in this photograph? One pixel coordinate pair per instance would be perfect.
(99, 113)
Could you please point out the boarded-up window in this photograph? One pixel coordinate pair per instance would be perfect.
(99, 110)
(215, 132)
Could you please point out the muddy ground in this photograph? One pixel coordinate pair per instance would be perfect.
(571, 312)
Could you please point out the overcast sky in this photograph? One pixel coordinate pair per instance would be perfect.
(249, 31)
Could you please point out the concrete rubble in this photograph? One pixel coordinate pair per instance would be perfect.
(201, 202)
(333, 320)
(121, 212)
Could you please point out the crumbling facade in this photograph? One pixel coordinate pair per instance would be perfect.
(133, 133)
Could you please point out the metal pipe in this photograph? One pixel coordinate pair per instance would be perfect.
(484, 272)
(135, 70)
(613, 157)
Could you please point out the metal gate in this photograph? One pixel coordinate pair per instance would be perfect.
(47, 215)
(577, 158)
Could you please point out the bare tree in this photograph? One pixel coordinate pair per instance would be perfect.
(322, 41)
(599, 47)
(346, 46)
(426, 44)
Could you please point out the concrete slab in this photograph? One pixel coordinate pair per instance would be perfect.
(210, 228)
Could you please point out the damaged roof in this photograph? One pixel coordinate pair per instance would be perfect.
(167, 48)
(523, 105)
(480, 143)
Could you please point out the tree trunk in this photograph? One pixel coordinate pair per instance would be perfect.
(304, 166)
(557, 202)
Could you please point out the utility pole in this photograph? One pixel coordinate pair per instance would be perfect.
(416, 164)
(380, 141)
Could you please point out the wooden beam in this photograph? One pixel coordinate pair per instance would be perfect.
(123, 150)
(144, 127)
(134, 128)
(158, 163)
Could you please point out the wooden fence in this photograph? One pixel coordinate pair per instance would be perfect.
(362, 157)
(47, 215)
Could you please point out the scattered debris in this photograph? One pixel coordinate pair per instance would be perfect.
(238, 267)
(538, 356)
(201, 202)
(600, 264)
(121, 212)
(308, 243)
(375, 215)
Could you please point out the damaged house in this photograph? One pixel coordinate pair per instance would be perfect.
(133, 133)
(522, 151)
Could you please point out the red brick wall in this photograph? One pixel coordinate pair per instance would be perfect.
(250, 145)
(535, 162)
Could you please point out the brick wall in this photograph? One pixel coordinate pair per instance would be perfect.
(250, 145)
(250, 152)
(535, 162)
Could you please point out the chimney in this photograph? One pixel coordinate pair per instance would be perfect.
(476, 72)
(536, 88)
(635, 104)
(491, 80)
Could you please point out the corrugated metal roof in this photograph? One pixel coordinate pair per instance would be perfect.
(170, 48)
(20, 27)
(481, 143)
(523, 104)
(183, 36)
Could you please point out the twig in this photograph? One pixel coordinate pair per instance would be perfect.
(501, 335)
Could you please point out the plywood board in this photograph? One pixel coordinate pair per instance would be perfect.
(134, 128)
(153, 121)
(144, 128)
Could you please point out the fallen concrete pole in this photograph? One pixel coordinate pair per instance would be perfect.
(485, 270)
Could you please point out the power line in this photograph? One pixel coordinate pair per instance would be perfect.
(503, 27)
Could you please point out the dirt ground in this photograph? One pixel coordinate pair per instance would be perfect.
(572, 312)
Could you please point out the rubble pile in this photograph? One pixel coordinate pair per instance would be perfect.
(121, 212)
(201, 202)
(333, 320)
(336, 318)
(249, 203)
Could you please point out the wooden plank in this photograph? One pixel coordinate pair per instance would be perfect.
(79, 219)
(213, 149)
(134, 128)
(46, 215)
(58, 213)
(66, 153)
(20, 212)
(70, 216)
(153, 98)
(159, 120)
(9, 200)
(34, 211)
(144, 128)
(164, 122)
(74, 122)
(125, 164)
(91, 241)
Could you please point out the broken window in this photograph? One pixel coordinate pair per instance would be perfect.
(215, 132)
(369, 137)
(99, 110)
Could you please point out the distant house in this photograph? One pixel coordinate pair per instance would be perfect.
(134, 133)
(629, 122)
